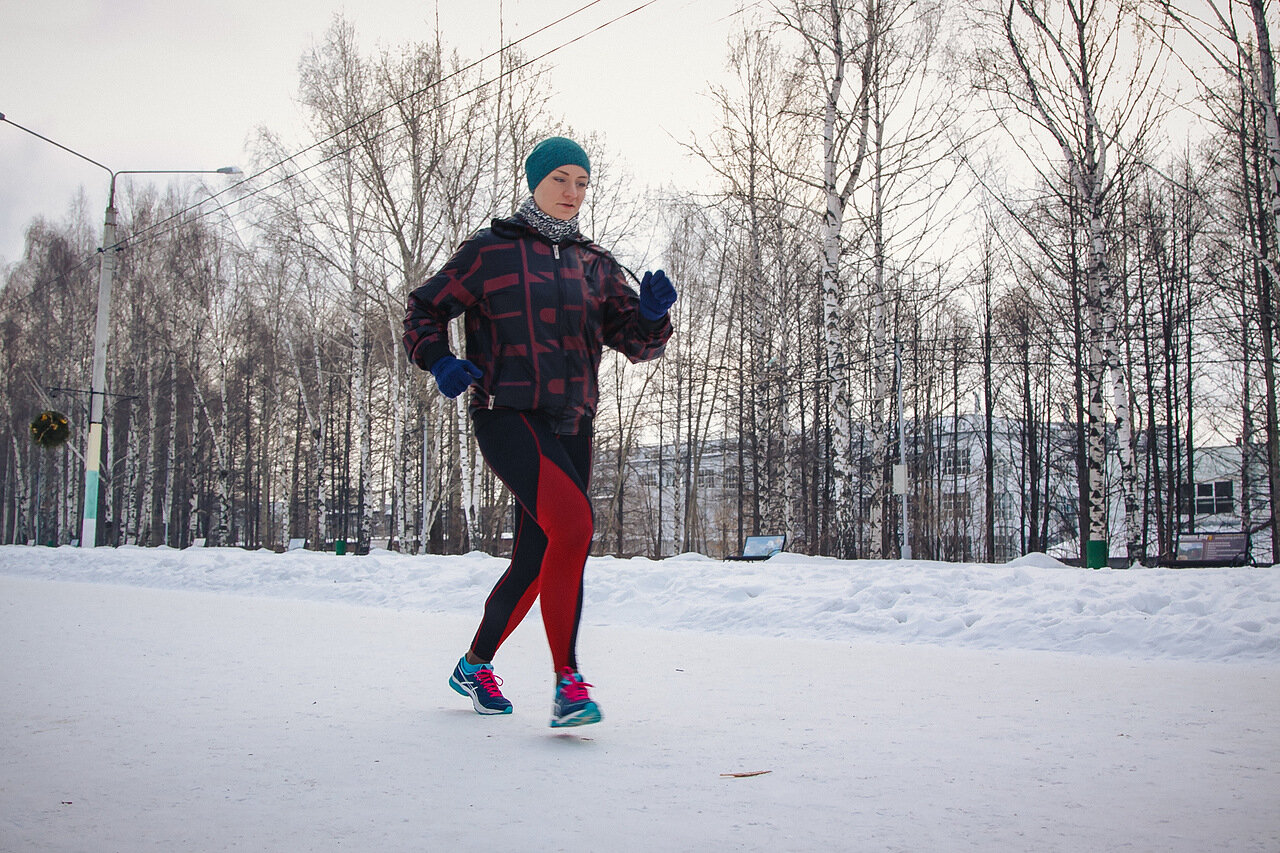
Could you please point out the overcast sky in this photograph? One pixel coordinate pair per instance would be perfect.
(157, 84)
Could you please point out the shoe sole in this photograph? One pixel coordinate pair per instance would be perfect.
(475, 701)
(585, 717)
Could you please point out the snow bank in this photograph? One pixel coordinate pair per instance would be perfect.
(1034, 603)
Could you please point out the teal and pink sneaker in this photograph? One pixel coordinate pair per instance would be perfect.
(572, 705)
(481, 685)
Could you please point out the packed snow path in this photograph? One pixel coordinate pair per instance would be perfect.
(141, 718)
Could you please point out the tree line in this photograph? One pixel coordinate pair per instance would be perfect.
(914, 215)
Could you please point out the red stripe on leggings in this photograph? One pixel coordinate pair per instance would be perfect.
(564, 514)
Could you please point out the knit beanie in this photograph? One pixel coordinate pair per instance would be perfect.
(550, 154)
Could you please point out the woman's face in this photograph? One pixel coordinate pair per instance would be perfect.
(562, 191)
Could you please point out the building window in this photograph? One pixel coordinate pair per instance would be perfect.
(1008, 506)
(1008, 546)
(956, 547)
(1209, 498)
(955, 461)
(955, 506)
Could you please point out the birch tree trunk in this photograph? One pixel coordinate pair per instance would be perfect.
(439, 480)
(219, 526)
(147, 472)
(430, 505)
(22, 513)
(193, 496)
(399, 417)
(469, 461)
(224, 530)
(1096, 441)
(829, 47)
(1257, 84)
(1266, 86)
(1084, 145)
(171, 452)
(1121, 402)
(359, 367)
(879, 349)
(833, 327)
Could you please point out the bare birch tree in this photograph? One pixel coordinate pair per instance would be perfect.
(1241, 51)
(1076, 72)
(840, 38)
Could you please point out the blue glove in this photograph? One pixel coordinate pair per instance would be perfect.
(657, 294)
(454, 375)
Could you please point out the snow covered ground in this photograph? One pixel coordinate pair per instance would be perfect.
(218, 699)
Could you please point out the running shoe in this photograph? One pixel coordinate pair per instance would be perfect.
(572, 705)
(481, 685)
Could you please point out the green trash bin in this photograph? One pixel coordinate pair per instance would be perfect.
(1096, 554)
(340, 547)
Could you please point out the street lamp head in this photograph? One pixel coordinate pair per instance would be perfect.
(229, 170)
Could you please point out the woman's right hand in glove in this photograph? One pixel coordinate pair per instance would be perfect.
(454, 375)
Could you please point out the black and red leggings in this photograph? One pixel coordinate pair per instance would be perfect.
(548, 474)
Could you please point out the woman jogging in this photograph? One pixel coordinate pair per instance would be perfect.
(540, 302)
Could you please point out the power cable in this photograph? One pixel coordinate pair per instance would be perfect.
(170, 225)
(417, 93)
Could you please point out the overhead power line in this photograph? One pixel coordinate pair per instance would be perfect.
(170, 223)
(154, 230)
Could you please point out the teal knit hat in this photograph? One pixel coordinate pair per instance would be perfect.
(551, 154)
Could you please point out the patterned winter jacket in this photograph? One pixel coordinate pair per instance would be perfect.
(537, 318)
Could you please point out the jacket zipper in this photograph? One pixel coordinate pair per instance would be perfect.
(561, 316)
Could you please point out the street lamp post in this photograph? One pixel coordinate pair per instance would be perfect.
(106, 273)
(97, 390)
(97, 387)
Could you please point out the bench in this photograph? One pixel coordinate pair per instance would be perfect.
(760, 547)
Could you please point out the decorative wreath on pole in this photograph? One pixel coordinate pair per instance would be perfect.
(50, 429)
